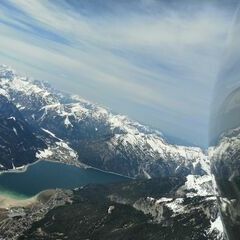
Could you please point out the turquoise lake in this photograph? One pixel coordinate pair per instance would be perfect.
(50, 175)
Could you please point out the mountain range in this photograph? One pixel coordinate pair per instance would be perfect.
(93, 135)
(38, 122)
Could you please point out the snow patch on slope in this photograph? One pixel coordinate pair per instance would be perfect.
(44, 154)
(202, 185)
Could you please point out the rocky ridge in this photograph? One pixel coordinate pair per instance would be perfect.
(96, 136)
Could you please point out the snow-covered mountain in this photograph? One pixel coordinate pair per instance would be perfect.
(95, 136)
(225, 157)
(192, 206)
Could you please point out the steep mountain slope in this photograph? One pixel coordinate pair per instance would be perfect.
(98, 137)
(18, 144)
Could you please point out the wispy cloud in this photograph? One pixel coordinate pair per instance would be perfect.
(153, 60)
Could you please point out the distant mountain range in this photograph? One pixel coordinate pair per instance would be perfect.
(93, 135)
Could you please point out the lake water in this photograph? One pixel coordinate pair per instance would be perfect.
(50, 175)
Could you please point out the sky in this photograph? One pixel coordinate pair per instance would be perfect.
(153, 60)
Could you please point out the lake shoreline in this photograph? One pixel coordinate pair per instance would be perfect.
(9, 201)
(24, 168)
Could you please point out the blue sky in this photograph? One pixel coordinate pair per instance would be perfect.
(155, 61)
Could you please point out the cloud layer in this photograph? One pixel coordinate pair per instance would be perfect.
(155, 61)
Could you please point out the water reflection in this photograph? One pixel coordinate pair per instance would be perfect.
(225, 135)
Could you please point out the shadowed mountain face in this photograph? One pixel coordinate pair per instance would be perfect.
(18, 144)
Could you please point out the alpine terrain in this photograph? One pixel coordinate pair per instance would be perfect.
(170, 196)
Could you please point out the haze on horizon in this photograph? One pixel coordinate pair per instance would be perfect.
(155, 61)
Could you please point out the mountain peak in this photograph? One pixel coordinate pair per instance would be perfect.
(6, 72)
